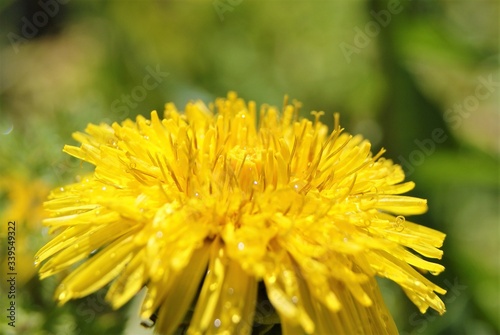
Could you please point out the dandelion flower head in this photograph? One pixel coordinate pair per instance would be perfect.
(203, 205)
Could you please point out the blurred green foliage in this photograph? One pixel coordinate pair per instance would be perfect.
(397, 71)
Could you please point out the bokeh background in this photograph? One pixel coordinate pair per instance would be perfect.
(420, 78)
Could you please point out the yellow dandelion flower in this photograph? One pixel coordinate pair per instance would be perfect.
(202, 206)
(21, 212)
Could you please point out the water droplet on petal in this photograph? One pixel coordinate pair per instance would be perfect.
(217, 323)
(241, 246)
(398, 223)
(236, 318)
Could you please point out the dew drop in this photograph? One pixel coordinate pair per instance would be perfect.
(196, 194)
(295, 299)
(113, 255)
(230, 291)
(241, 246)
(255, 182)
(76, 246)
(61, 296)
(236, 318)
(385, 318)
(366, 223)
(399, 223)
(61, 189)
(37, 260)
(159, 234)
(217, 323)
(103, 188)
(213, 286)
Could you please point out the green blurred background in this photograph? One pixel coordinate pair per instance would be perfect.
(420, 78)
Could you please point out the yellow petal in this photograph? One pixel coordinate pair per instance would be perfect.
(182, 289)
(96, 272)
